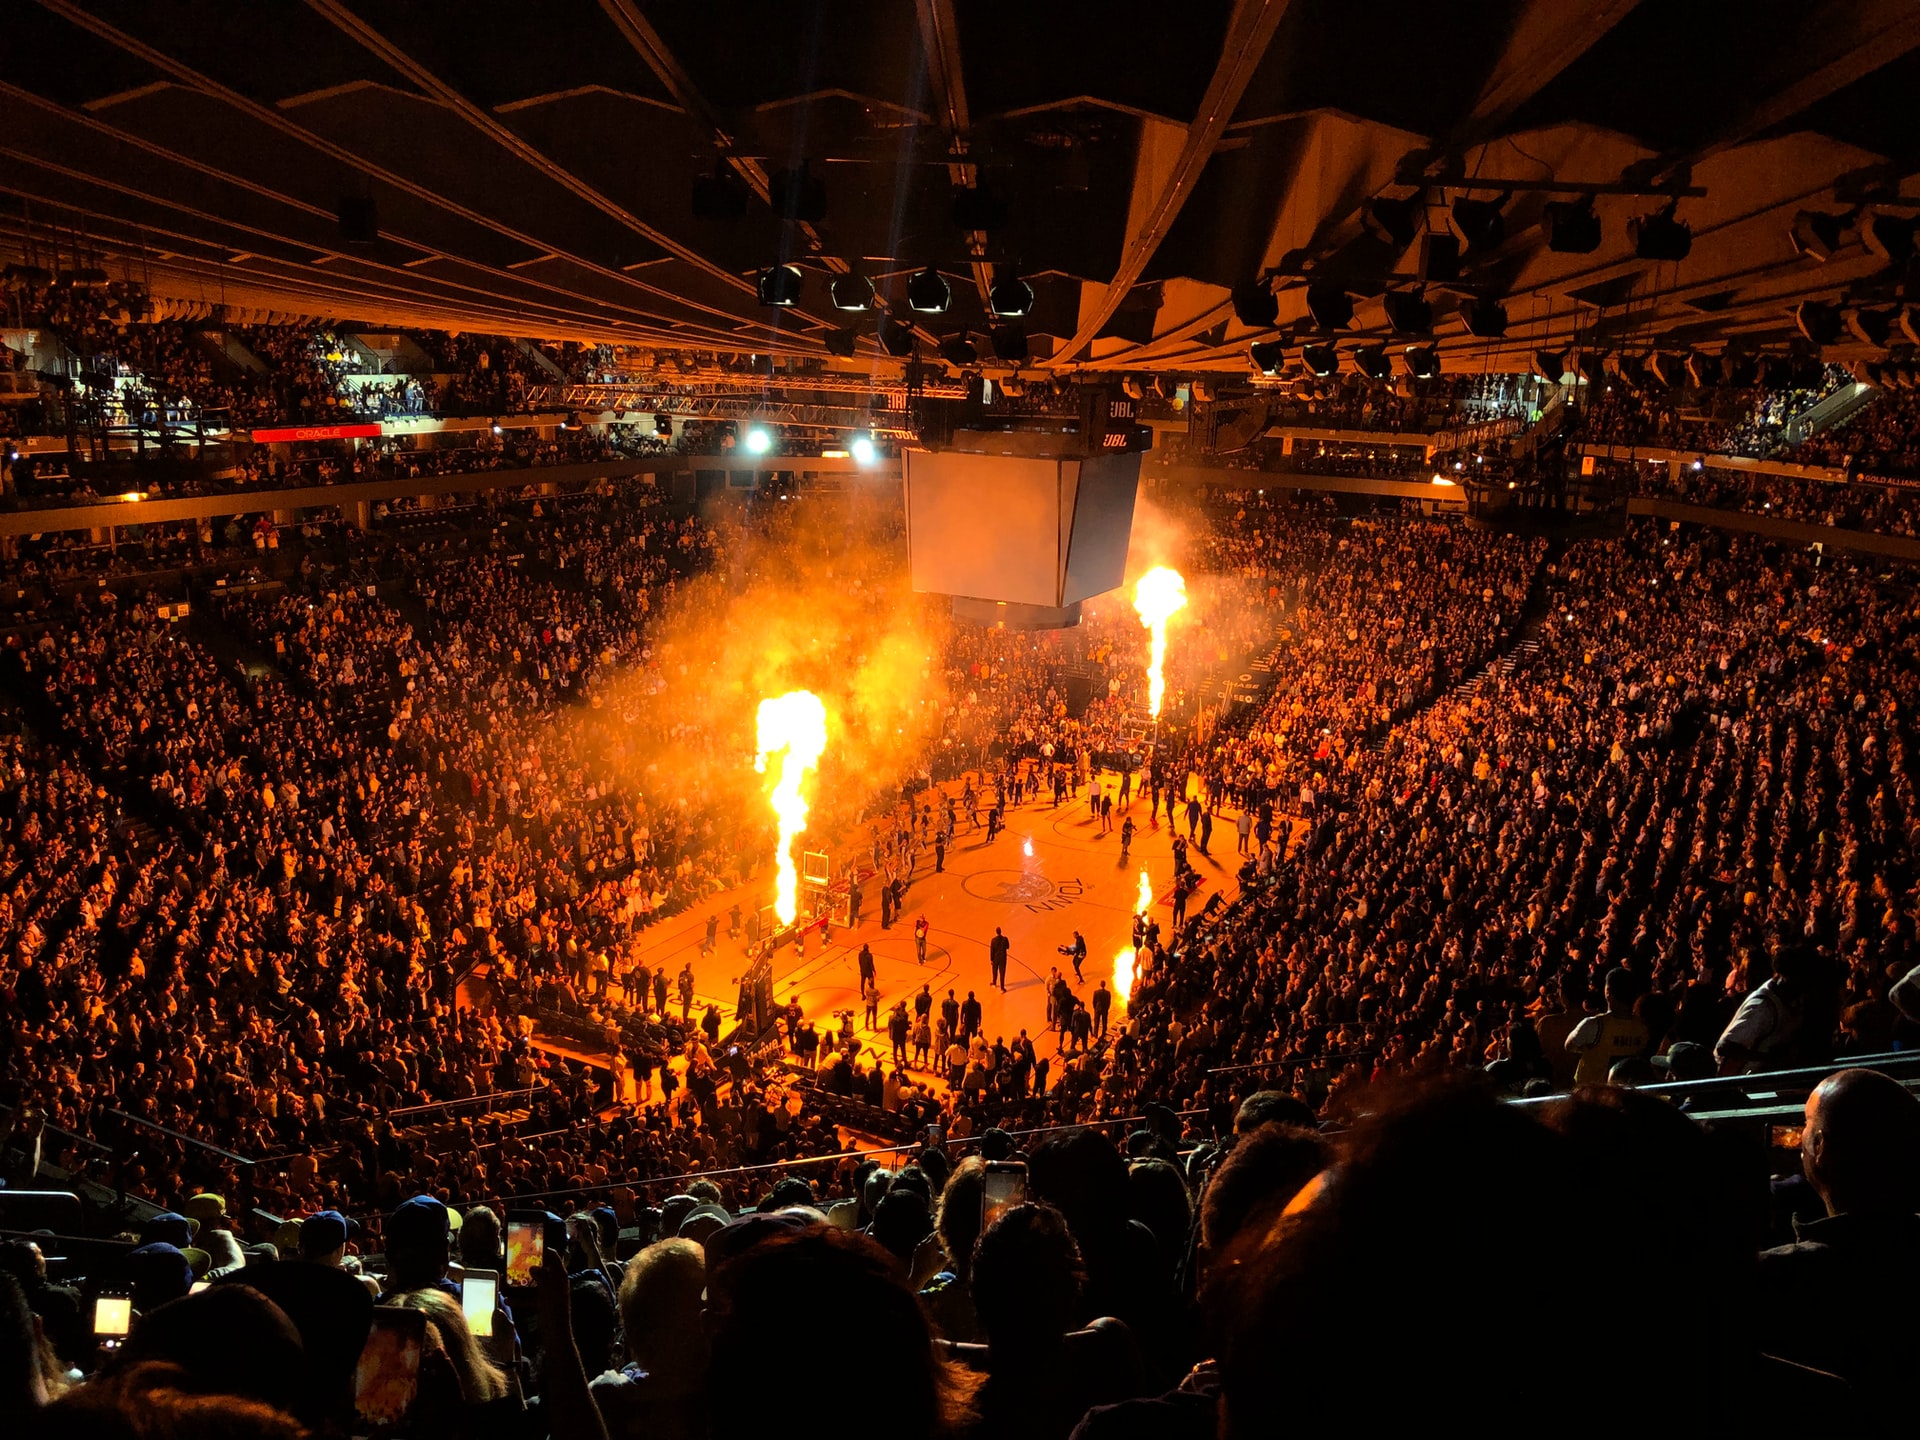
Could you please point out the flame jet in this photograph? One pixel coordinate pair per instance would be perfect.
(792, 727)
(1156, 596)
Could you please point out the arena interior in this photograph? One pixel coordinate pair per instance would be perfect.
(980, 720)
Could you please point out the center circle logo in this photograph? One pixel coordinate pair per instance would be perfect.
(1009, 887)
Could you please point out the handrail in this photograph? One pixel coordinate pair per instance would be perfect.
(1801, 1077)
(527, 1093)
(183, 1139)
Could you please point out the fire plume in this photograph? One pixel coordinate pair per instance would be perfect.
(1123, 963)
(792, 727)
(1156, 596)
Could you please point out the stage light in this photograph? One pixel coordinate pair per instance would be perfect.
(1659, 236)
(1890, 237)
(1010, 297)
(978, 209)
(780, 285)
(852, 292)
(758, 441)
(1572, 227)
(1550, 365)
(958, 351)
(1009, 342)
(663, 424)
(1371, 361)
(1422, 361)
(359, 219)
(1329, 305)
(896, 339)
(1439, 258)
(496, 427)
(1873, 327)
(1322, 360)
(1816, 234)
(1268, 356)
(929, 293)
(841, 343)
(1485, 318)
(721, 195)
(1255, 305)
(1394, 222)
(798, 194)
(1479, 224)
(1818, 321)
(1408, 313)
(865, 452)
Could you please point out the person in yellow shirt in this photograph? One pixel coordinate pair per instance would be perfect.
(1615, 1034)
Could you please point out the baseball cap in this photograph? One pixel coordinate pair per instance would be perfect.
(422, 1220)
(325, 1231)
(205, 1207)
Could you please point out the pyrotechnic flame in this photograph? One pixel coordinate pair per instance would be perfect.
(793, 727)
(1123, 962)
(1156, 596)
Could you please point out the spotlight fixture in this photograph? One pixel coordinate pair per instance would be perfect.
(663, 424)
(1009, 297)
(780, 285)
(958, 351)
(1485, 318)
(495, 426)
(1393, 222)
(759, 441)
(1408, 313)
(852, 292)
(1550, 365)
(978, 209)
(1439, 258)
(841, 342)
(1890, 237)
(928, 292)
(863, 450)
(1818, 321)
(1329, 305)
(1371, 361)
(721, 195)
(359, 219)
(1872, 327)
(1704, 371)
(1816, 234)
(1659, 236)
(798, 194)
(1255, 305)
(1572, 227)
(1009, 342)
(1422, 361)
(1479, 224)
(1322, 360)
(895, 338)
(1268, 356)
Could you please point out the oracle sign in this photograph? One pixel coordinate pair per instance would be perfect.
(316, 432)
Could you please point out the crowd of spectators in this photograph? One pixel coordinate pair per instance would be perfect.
(322, 854)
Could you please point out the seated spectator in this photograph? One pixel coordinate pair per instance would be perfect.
(660, 1392)
(1829, 1299)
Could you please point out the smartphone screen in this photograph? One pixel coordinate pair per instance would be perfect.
(198, 1286)
(478, 1292)
(1785, 1137)
(526, 1244)
(1002, 1187)
(112, 1315)
(388, 1374)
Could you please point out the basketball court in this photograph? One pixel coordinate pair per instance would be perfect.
(1050, 872)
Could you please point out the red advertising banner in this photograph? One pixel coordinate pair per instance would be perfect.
(316, 432)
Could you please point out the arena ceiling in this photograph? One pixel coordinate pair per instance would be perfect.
(532, 168)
